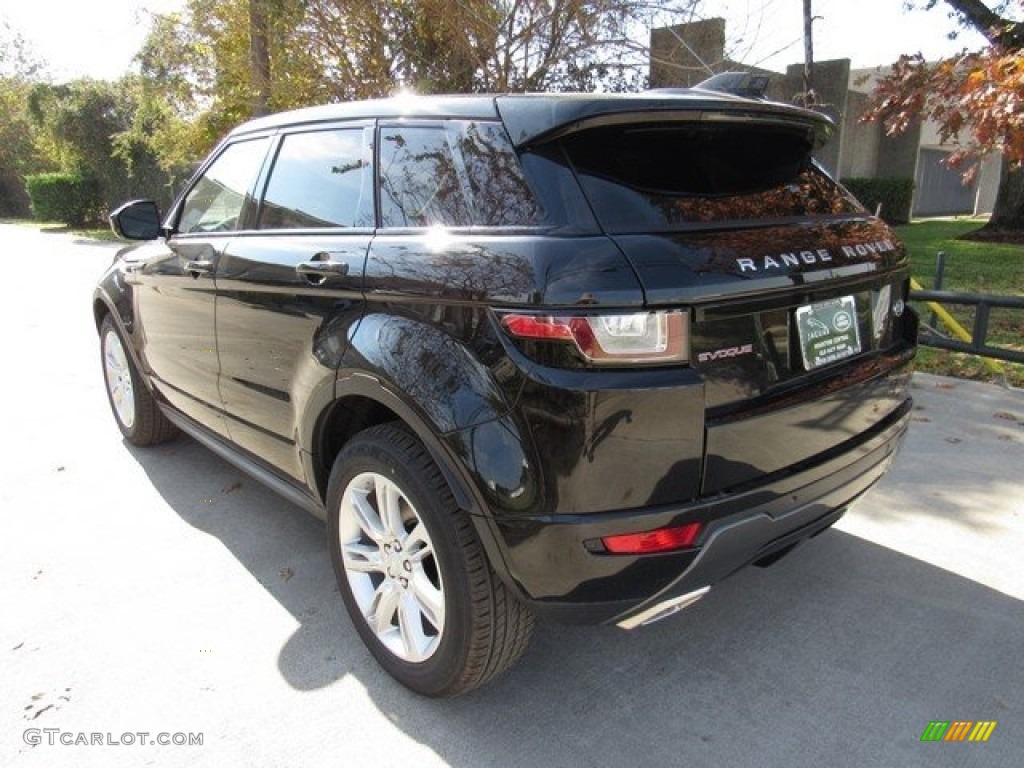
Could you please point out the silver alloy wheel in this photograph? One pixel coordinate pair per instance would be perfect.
(391, 567)
(118, 373)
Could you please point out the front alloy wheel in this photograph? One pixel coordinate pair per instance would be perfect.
(135, 410)
(118, 373)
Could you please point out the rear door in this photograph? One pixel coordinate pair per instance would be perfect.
(290, 287)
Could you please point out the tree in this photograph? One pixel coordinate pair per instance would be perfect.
(85, 127)
(484, 45)
(19, 65)
(208, 71)
(17, 59)
(219, 62)
(977, 100)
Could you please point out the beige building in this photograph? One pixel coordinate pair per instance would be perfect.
(686, 54)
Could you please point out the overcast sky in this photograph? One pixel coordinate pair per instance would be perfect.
(99, 38)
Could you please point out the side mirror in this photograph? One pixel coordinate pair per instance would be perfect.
(137, 220)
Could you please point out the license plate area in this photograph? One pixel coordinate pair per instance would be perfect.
(828, 331)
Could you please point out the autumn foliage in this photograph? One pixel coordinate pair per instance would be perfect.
(976, 99)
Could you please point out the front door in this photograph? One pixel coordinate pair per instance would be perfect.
(176, 292)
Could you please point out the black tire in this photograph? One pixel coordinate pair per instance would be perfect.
(146, 423)
(485, 629)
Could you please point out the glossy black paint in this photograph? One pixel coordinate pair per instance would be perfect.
(281, 335)
(261, 342)
(704, 266)
(579, 585)
(534, 118)
(176, 336)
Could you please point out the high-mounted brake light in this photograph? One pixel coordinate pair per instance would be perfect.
(648, 542)
(639, 337)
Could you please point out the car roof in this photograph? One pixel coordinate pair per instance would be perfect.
(531, 118)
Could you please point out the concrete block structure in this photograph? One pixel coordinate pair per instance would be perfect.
(685, 54)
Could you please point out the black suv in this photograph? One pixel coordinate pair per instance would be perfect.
(579, 356)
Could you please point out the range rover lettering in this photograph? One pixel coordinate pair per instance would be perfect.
(571, 356)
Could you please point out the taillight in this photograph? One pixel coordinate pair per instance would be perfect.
(612, 339)
(648, 542)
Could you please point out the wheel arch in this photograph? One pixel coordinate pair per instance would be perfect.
(104, 305)
(100, 309)
(362, 401)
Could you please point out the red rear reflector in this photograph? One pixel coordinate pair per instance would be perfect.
(661, 540)
(536, 327)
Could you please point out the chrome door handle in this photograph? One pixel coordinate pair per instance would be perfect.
(320, 267)
(200, 267)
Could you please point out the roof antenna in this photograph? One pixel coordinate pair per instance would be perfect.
(749, 85)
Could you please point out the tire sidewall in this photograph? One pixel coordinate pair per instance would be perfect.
(107, 328)
(435, 675)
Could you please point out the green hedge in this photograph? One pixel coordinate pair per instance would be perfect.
(895, 195)
(70, 198)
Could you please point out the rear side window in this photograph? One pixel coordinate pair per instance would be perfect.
(319, 179)
(664, 177)
(456, 174)
(216, 201)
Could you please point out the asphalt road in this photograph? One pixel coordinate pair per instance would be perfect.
(161, 591)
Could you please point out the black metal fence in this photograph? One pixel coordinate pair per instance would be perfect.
(983, 304)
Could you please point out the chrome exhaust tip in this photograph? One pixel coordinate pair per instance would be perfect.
(663, 609)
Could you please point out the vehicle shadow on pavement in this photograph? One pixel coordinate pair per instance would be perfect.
(840, 654)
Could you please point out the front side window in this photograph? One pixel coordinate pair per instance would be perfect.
(459, 174)
(216, 201)
(319, 179)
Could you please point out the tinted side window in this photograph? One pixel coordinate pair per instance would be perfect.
(498, 190)
(458, 174)
(215, 203)
(319, 179)
(644, 178)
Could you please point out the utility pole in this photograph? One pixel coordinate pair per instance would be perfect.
(810, 97)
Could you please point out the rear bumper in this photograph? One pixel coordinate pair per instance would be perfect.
(562, 574)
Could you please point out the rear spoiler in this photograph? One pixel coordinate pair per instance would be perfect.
(538, 119)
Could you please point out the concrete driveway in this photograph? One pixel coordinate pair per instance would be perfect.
(162, 592)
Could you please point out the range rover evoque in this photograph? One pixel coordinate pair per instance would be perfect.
(576, 356)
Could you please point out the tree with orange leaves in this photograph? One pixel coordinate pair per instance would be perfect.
(977, 100)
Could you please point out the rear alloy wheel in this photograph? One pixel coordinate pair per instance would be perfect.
(412, 571)
(135, 410)
(391, 568)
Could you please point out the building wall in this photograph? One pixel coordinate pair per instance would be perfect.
(830, 79)
(686, 54)
(860, 140)
(988, 183)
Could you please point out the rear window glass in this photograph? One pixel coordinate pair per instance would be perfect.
(457, 174)
(650, 178)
